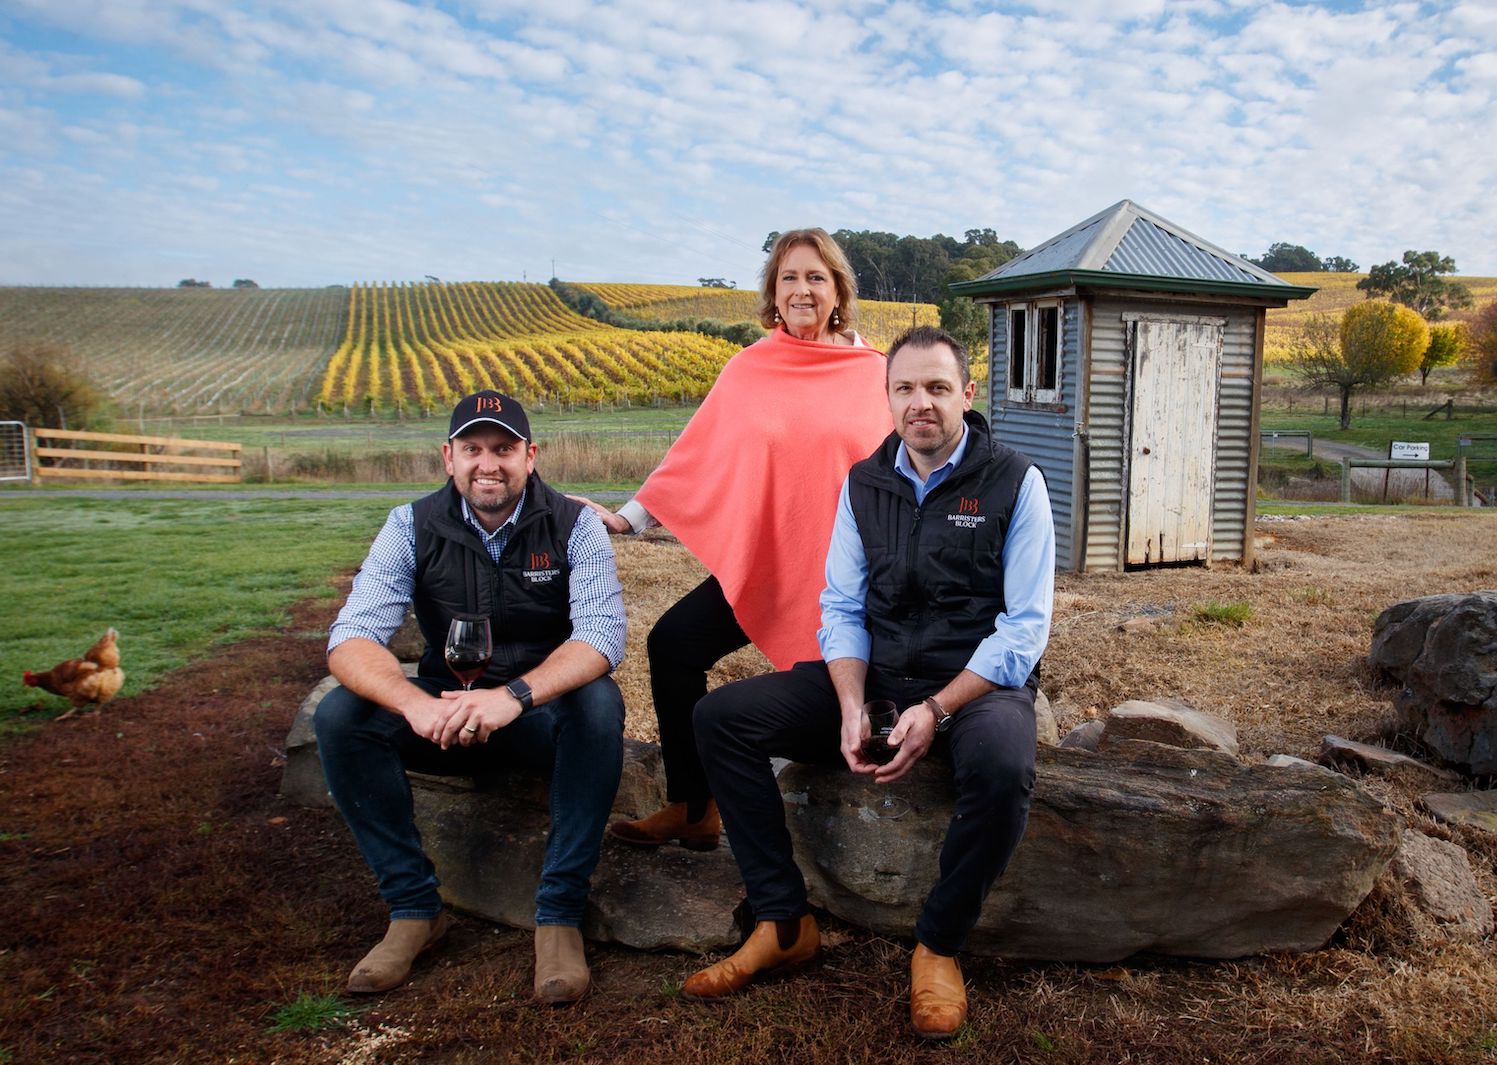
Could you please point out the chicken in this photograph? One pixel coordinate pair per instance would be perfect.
(94, 678)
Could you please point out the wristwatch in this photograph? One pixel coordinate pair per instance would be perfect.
(521, 691)
(943, 719)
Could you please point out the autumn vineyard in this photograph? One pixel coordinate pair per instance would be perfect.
(410, 348)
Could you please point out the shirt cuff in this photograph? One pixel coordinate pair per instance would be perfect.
(636, 515)
(844, 642)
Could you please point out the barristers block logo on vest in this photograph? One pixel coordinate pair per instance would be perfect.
(540, 571)
(966, 516)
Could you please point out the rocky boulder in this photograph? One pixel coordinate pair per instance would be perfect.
(1443, 649)
(1436, 881)
(1168, 721)
(1141, 847)
(487, 837)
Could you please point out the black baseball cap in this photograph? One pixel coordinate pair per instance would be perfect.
(489, 406)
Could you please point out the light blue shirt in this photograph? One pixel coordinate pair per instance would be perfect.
(1008, 655)
(386, 582)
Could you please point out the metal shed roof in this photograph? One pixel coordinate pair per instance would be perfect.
(1128, 246)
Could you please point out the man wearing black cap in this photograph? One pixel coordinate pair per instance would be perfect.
(495, 542)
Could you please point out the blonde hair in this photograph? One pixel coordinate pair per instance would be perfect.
(843, 279)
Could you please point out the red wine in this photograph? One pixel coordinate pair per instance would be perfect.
(467, 668)
(876, 749)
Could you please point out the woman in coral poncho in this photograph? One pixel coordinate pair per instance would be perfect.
(750, 487)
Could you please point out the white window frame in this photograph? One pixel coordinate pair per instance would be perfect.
(1029, 393)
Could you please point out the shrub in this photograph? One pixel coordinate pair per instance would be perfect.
(45, 384)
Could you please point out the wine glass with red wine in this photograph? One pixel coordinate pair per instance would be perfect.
(470, 646)
(882, 716)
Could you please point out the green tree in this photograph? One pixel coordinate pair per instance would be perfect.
(1282, 258)
(716, 282)
(1374, 342)
(45, 384)
(1336, 264)
(192, 282)
(244, 282)
(1446, 342)
(1418, 284)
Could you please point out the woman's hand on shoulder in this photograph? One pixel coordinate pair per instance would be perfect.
(613, 522)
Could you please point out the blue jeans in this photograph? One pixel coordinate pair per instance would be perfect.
(577, 739)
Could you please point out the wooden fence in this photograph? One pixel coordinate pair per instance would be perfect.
(85, 463)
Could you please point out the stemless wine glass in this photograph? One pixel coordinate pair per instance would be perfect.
(882, 715)
(470, 646)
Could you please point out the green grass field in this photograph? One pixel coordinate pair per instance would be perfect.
(175, 577)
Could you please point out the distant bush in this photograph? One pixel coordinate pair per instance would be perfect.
(45, 384)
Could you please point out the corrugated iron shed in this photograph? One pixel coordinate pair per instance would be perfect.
(1131, 247)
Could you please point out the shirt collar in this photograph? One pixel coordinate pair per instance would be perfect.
(509, 523)
(903, 465)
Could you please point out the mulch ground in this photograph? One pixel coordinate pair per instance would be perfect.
(162, 903)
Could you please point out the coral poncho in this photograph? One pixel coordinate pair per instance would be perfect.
(751, 485)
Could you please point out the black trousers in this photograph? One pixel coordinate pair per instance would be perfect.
(685, 643)
(795, 715)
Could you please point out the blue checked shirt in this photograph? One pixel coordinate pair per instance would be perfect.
(385, 584)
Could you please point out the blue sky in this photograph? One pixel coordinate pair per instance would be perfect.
(312, 142)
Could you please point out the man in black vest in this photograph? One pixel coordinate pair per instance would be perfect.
(494, 542)
(940, 576)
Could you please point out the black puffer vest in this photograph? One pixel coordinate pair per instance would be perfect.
(526, 595)
(935, 572)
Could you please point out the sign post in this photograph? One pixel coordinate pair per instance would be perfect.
(1411, 452)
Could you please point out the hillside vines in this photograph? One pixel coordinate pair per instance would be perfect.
(879, 321)
(187, 350)
(419, 346)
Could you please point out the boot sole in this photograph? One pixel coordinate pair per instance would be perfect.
(566, 1001)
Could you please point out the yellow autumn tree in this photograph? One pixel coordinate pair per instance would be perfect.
(1375, 342)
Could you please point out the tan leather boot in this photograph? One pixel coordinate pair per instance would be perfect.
(561, 974)
(669, 823)
(938, 995)
(763, 952)
(389, 963)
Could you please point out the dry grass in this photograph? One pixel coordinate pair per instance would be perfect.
(160, 910)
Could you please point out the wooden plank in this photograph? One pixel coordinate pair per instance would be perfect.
(127, 456)
(136, 475)
(118, 438)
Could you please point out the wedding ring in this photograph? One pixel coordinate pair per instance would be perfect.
(470, 728)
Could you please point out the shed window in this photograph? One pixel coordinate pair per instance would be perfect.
(1034, 347)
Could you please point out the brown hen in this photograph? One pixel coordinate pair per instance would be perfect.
(94, 678)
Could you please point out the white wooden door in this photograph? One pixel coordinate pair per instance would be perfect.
(1173, 378)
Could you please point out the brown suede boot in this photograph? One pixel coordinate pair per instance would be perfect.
(938, 995)
(669, 823)
(766, 950)
(389, 963)
(561, 974)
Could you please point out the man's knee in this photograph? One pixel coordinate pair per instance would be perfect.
(718, 714)
(339, 712)
(597, 708)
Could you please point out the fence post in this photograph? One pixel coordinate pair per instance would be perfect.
(1462, 499)
(1345, 480)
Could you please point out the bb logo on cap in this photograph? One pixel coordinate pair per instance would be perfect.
(488, 403)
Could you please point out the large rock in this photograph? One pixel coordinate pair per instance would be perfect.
(1141, 848)
(1474, 809)
(1338, 752)
(1168, 721)
(487, 839)
(1443, 649)
(1437, 880)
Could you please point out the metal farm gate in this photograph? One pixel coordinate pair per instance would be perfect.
(15, 452)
